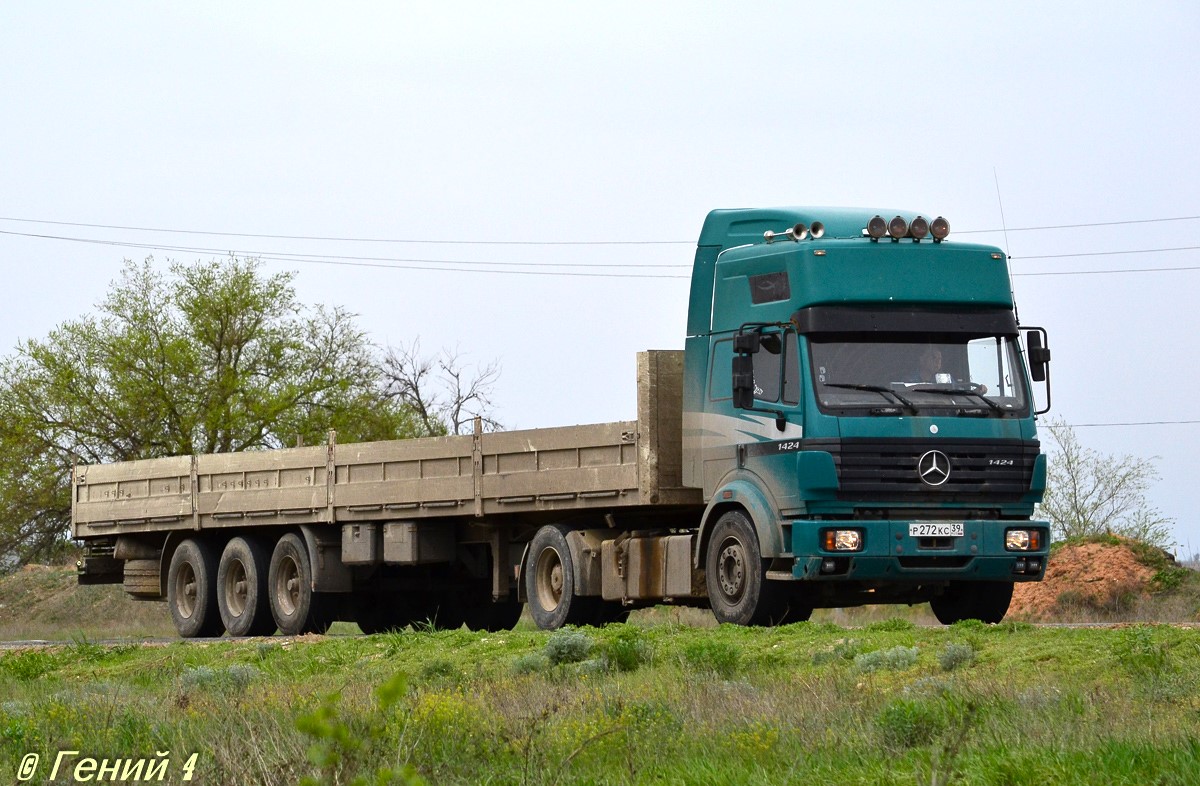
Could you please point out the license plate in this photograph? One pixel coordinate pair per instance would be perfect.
(935, 529)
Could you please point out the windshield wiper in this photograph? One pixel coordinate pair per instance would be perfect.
(960, 391)
(875, 389)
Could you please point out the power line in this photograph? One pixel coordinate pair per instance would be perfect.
(1080, 226)
(445, 241)
(473, 266)
(1109, 253)
(1137, 423)
(442, 241)
(441, 265)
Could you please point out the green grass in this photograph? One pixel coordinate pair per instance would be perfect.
(657, 702)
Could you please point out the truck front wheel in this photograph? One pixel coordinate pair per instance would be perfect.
(986, 601)
(294, 605)
(242, 593)
(550, 582)
(192, 590)
(736, 573)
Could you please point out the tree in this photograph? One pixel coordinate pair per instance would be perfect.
(445, 394)
(205, 358)
(1089, 493)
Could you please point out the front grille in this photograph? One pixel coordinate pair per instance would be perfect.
(979, 470)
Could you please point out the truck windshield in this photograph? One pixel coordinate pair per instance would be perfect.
(978, 376)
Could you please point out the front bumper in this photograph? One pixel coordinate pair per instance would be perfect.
(889, 553)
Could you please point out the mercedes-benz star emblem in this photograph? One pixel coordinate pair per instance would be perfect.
(934, 468)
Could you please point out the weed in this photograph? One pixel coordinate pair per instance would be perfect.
(844, 649)
(441, 670)
(893, 624)
(568, 646)
(955, 656)
(338, 743)
(29, 665)
(711, 655)
(626, 649)
(894, 659)
(530, 663)
(231, 679)
(909, 723)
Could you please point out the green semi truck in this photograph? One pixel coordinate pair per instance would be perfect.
(851, 421)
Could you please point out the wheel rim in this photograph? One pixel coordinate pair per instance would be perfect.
(236, 588)
(185, 590)
(731, 569)
(287, 586)
(549, 579)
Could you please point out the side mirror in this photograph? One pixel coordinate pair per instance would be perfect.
(743, 381)
(1037, 351)
(747, 343)
(1039, 355)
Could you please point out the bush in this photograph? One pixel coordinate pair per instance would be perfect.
(568, 646)
(719, 657)
(895, 659)
(955, 655)
(845, 649)
(909, 723)
(531, 663)
(626, 650)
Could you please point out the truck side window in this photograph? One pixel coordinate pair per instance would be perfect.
(720, 383)
(767, 372)
(791, 369)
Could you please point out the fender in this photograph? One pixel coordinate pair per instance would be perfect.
(743, 490)
(330, 574)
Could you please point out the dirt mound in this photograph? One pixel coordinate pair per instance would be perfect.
(1095, 577)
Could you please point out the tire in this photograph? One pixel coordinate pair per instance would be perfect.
(294, 606)
(142, 579)
(735, 573)
(192, 590)
(549, 577)
(382, 613)
(986, 601)
(494, 616)
(242, 594)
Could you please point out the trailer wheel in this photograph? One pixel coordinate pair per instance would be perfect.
(192, 590)
(550, 582)
(986, 601)
(242, 593)
(736, 574)
(294, 605)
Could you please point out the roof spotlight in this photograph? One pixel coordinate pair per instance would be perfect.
(939, 228)
(798, 232)
(876, 227)
(919, 228)
(817, 229)
(897, 227)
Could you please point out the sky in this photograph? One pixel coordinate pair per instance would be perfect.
(524, 182)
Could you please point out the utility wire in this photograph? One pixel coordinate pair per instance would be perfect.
(472, 266)
(1138, 423)
(536, 242)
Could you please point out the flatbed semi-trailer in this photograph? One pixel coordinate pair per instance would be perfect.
(802, 451)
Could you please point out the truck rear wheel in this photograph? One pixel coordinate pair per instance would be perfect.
(550, 582)
(192, 590)
(242, 594)
(986, 601)
(294, 605)
(736, 574)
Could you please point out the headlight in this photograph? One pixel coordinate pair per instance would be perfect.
(843, 540)
(1023, 540)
